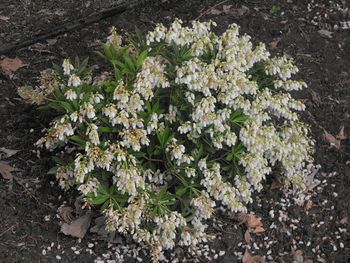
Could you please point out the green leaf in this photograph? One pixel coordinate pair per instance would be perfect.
(99, 199)
(163, 136)
(139, 154)
(78, 139)
(82, 66)
(53, 170)
(141, 58)
(67, 106)
(181, 191)
(57, 68)
(238, 116)
(129, 62)
(118, 63)
(58, 160)
(105, 129)
(157, 151)
(229, 157)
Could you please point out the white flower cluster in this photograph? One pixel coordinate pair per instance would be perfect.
(214, 104)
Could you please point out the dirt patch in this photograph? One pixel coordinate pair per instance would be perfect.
(28, 223)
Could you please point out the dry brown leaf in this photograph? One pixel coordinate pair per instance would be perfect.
(331, 139)
(273, 44)
(310, 181)
(253, 223)
(325, 33)
(342, 135)
(66, 213)
(236, 12)
(259, 229)
(344, 220)
(4, 18)
(10, 65)
(6, 170)
(276, 185)
(308, 261)
(247, 237)
(215, 12)
(307, 205)
(78, 227)
(7, 153)
(248, 258)
(298, 255)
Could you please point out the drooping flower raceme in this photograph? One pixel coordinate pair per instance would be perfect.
(187, 122)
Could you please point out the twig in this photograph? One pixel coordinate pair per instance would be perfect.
(9, 229)
(209, 9)
(70, 26)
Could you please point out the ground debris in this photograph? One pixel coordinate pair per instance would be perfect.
(6, 170)
(248, 258)
(78, 227)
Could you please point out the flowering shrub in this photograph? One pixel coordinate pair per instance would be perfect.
(187, 121)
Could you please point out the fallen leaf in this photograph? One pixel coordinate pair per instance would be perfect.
(102, 234)
(51, 41)
(344, 220)
(78, 227)
(259, 229)
(4, 18)
(277, 185)
(6, 170)
(298, 256)
(66, 213)
(10, 65)
(247, 237)
(309, 180)
(331, 139)
(325, 33)
(7, 152)
(236, 12)
(273, 44)
(215, 12)
(253, 223)
(315, 97)
(307, 205)
(342, 135)
(248, 258)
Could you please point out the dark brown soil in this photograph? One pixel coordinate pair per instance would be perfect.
(28, 223)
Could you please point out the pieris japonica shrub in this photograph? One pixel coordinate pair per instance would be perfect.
(185, 121)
